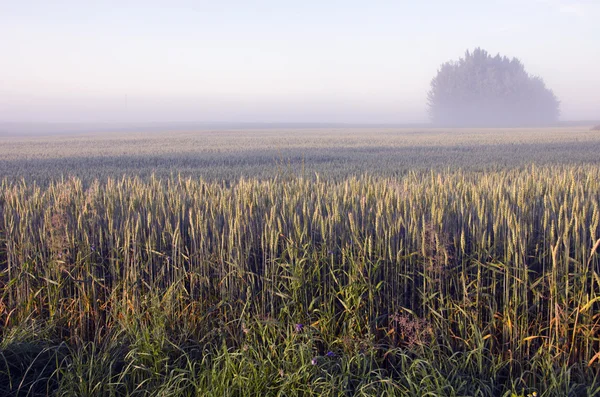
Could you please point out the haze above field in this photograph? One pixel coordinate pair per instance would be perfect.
(276, 62)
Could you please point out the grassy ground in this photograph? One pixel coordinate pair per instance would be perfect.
(472, 273)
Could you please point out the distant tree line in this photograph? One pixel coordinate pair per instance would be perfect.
(482, 90)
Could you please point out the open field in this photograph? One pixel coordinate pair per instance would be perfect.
(333, 153)
(301, 263)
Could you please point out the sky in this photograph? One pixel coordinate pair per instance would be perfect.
(277, 60)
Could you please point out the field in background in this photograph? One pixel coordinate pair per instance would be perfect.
(333, 153)
(345, 262)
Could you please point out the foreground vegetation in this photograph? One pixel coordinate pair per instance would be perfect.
(434, 283)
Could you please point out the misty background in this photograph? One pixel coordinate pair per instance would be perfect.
(276, 62)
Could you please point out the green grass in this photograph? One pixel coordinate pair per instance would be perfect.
(433, 282)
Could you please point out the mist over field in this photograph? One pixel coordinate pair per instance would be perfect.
(274, 62)
(305, 199)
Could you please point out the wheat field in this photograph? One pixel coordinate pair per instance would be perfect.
(301, 263)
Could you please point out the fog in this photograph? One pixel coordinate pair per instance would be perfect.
(278, 62)
(484, 90)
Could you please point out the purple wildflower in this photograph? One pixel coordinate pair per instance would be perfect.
(313, 361)
(330, 354)
(299, 327)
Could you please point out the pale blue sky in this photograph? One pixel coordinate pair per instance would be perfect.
(277, 61)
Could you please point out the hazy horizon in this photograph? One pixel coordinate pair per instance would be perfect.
(277, 62)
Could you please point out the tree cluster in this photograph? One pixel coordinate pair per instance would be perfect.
(481, 90)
